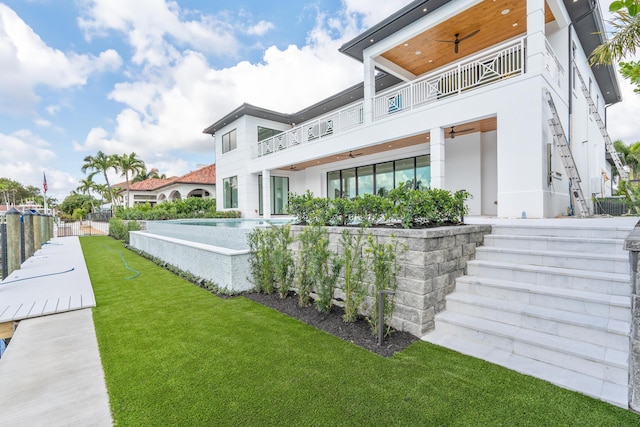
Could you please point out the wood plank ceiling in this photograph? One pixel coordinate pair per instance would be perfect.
(495, 20)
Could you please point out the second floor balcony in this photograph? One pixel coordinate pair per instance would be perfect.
(489, 67)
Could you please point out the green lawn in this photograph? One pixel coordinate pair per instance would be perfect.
(174, 354)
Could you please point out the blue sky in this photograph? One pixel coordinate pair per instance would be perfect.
(147, 76)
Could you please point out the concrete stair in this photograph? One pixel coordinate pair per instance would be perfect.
(550, 301)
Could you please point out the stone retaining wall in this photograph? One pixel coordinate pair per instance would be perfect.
(435, 257)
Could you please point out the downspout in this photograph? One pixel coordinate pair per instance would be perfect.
(570, 89)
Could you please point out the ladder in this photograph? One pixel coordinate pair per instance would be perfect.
(603, 129)
(569, 163)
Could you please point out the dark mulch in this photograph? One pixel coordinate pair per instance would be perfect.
(358, 333)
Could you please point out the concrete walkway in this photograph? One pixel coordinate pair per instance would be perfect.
(51, 373)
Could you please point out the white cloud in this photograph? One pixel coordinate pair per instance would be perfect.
(23, 158)
(151, 27)
(28, 62)
(42, 123)
(373, 12)
(261, 28)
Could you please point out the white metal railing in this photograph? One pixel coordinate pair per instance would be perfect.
(552, 64)
(501, 63)
(330, 124)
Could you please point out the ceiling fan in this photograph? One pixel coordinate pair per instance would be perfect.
(457, 40)
(353, 156)
(452, 132)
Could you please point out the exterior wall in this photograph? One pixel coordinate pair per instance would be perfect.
(227, 237)
(506, 171)
(428, 269)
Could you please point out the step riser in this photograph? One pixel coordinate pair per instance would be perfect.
(571, 362)
(523, 296)
(476, 268)
(575, 232)
(553, 245)
(584, 264)
(582, 333)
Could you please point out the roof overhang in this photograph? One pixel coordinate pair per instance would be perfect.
(248, 110)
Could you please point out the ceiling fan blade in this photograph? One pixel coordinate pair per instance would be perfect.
(446, 41)
(470, 35)
(465, 130)
(455, 48)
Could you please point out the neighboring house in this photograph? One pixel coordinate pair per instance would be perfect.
(453, 97)
(199, 183)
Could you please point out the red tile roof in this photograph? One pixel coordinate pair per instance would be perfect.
(149, 184)
(205, 175)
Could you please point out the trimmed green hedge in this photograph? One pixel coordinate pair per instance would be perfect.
(192, 207)
(409, 207)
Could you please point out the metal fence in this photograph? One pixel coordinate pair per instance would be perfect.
(83, 228)
(614, 206)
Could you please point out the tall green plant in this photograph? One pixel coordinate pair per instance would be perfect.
(324, 269)
(355, 267)
(261, 262)
(304, 281)
(384, 266)
(283, 263)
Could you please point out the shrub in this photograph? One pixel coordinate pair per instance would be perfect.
(283, 264)
(323, 268)
(192, 207)
(384, 266)
(372, 209)
(342, 212)
(304, 282)
(355, 267)
(118, 229)
(260, 260)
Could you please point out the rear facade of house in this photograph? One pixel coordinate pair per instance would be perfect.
(455, 95)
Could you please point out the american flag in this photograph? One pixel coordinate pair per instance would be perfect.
(45, 187)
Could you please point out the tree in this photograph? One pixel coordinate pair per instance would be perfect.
(76, 201)
(624, 41)
(12, 192)
(129, 164)
(101, 163)
(86, 186)
(144, 175)
(631, 155)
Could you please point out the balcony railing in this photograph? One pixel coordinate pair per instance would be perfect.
(328, 125)
(501, 63)
(552, 64)
(490, 67)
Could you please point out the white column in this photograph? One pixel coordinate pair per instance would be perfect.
(266, 193)
(369, 88)
(536, 47)
(437, 157)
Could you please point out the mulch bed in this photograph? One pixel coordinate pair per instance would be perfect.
(358, 333)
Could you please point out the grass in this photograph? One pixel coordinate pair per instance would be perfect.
(174, 354)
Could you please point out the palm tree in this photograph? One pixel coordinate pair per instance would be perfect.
(144, 175)
(624, 41)
(86, 186)
(101, 163)
(129, 164)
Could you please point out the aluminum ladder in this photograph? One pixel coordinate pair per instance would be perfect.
(569, 163)
(603, 128)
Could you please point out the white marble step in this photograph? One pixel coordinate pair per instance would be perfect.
(615, 394)
(592, 281)
(582, 327)
(604, 262)
(569, 244)
(598, 361)
(616, 307)
(565, 230)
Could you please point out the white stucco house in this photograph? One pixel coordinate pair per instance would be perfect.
(454, 96)
(198, 183)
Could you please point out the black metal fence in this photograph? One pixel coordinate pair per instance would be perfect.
(615, 205)
(83, 228)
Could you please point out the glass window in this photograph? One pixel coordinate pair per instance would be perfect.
(405, 172)
(230, 190)
(279, 195)
(349, 183)
(423, 172)
(264, 133)
(333, 185)
(384, 178)
(229, 141)
(365, 180)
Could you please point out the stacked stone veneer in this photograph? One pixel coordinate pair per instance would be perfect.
(428, 269)
(632, 244)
